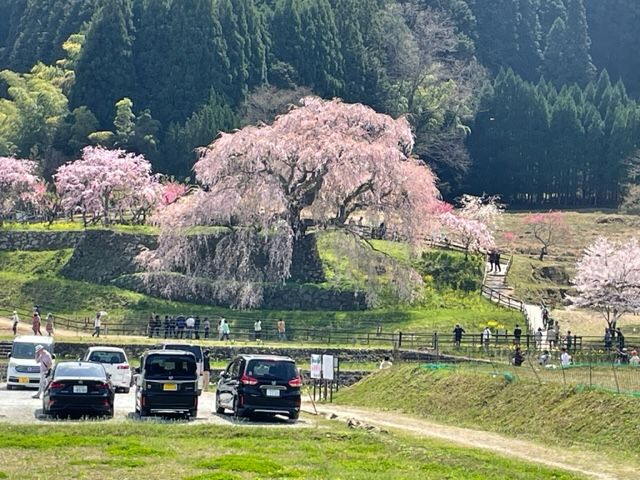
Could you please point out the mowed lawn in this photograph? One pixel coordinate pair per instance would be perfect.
(132, 450)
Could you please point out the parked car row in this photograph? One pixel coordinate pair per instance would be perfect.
(168, 380)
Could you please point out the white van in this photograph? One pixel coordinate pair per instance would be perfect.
(23, 370)
(115, 363)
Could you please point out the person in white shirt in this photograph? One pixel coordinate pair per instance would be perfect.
(96, 325)
(565, 358)
(190, 323)
(386, 363)
(634, 361)
(15, 319)
(486, 337)
(257, 330)
(46, 362)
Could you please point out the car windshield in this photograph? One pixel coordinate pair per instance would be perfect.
(196, 350)
(107, 357)
(80, 370)
(26, 350)
(177, 366)
(272, 370)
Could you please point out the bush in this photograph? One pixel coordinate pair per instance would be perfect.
(451, 270)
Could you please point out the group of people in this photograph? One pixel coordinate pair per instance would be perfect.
(494, 261)
(193, 328)
(36, 322)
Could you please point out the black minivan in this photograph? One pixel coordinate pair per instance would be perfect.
(260, 384)
(167, 382)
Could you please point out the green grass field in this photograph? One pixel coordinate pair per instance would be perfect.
(549, 413)
(135, 450)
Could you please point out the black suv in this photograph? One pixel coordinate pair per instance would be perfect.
(167, 381)
(260, 384)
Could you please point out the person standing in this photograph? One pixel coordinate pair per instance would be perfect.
(537, 337)
(43, 357)
(492, 260)
(207, 326)
(496, 260)
(206, 370)
(619, 338)
(565, 358)
(458, 331)
(634, 361)
(96, 325)
(180, 323)
(225, 330)
(551, 337)
(35, 323)
(282, 330)
(172, 327)
(196, 327)
(166, 325)
(49, 326)
(190, 324)
(569, 340)
(607, 340)
(257, 330)
(486, 337)
(15, 320)
(517, 335)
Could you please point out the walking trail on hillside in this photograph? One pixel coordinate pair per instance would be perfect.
(586, 463)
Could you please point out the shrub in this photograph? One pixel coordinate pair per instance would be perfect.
(451, 270)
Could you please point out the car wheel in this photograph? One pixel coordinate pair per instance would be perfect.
(219, 409)
(294, 415)
(144, 412)
(193, 413)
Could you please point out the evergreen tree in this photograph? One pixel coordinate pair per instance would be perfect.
(548, 12)
(578, 44)
(233, 23)
(105, 71)
(497, 43)
(529, 58)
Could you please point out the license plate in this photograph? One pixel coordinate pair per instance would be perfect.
(271, 392)
(23, 380)
(170, 387)
(79, 389)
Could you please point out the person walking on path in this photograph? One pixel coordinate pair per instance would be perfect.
(282, 330)
(551, 337)
(517, 335)
(225, 330)
(43, 357)
(545, 316)
(492, 260)
(496, 260)
(35, 323)
(49, 326)
(257, 330)
(207, 326)
(96, 325)
(537, 337)
(457, 335)
(15, 320)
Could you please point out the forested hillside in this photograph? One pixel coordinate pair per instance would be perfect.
(532, 99)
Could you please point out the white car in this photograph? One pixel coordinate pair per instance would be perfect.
(115, 362)
(23, 370)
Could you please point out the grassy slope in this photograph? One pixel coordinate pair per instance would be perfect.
(136, 450)
(32, 278)
(547, 413)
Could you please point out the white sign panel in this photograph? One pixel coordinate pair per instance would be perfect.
(316, 366)
(327, 367)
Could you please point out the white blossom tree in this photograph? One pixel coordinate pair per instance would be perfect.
(19, 184)
(608, 279)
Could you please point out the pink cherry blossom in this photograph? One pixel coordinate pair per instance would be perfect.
(548, 228)
(608, 279)
(19, 184)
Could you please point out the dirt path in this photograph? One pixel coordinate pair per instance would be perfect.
(585, 463)
(24, 328)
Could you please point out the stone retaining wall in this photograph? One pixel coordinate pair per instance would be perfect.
(39, 241)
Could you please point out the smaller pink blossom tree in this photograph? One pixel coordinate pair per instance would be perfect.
(608, 279)
(473, 235)
(547, 228)
(19, 184)
(106, 183)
